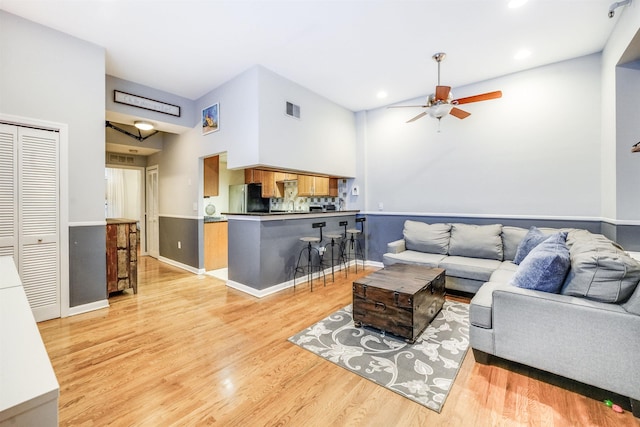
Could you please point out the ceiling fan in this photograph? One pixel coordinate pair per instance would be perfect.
(441, 103)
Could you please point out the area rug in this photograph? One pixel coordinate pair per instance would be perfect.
(423, 371)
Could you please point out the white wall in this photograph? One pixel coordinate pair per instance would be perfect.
(615, 201)
(51, 76)
(534, 152)
(627, 134)
(238, 133)
(322, 140)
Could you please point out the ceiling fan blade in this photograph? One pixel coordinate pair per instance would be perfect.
(478, 98)
(407, 106)
(442, 92)
(461, 114)
(424, 113)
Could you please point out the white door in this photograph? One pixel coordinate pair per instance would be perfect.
(153, 227)
(8, 191)
(34, 206)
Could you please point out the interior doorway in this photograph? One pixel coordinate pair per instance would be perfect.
(125, 198)
(153, 227)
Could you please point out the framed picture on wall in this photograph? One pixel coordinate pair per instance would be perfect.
(211, 119)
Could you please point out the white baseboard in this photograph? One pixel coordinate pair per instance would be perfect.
(182, 266)
(260, 293)
(85, 308)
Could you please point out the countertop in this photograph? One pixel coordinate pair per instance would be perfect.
(120, 221)
(208, 219)
(268, 216)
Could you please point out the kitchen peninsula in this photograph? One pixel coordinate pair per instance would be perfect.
(264, 247)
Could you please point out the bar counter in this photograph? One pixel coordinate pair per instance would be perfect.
(264, 247)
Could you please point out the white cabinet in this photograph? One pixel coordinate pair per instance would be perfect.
(29, 389)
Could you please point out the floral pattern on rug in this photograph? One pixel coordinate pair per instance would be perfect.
(423, 371)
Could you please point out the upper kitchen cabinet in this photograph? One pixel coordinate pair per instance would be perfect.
(333, 187)
(211, 176)
(253, 176)
(285, 176)
(269, 184)
(309, 185)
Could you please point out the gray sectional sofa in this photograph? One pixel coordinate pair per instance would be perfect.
(565, 301)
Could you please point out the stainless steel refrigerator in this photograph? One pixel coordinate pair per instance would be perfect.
(245, 198)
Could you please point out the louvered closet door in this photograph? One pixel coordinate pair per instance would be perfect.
(8, 191)
(38, 214)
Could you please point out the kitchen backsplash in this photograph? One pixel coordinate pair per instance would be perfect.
(291, 200)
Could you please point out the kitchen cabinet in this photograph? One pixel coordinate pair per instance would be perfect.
(253, 176)
(211, 176)
(309, 185)
(268, 184)
(285, 176)
(333, 187)
(122, 255)
(215, 245)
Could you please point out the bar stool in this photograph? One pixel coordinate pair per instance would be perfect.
(353, 247)
(308, 251)
(336, 240)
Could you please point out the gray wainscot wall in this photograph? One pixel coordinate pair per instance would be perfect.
(381, 229)
(264, 249)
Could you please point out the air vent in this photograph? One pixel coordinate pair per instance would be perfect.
(293, 110)
(119, 158)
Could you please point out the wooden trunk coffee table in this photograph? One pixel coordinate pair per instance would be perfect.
(401, 299)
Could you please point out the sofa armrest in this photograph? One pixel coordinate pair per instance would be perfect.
(396, 247)
(588, 341)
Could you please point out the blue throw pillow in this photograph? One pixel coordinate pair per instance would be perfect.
(532, 239)
(546, 266)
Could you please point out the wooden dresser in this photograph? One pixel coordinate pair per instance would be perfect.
(122, 255)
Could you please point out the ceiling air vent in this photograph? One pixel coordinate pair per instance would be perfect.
(293, 110)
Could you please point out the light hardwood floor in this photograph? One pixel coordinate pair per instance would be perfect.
(187, 350)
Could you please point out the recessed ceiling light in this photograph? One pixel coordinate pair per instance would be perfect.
(381, 94)
(516, 3)
(143, 125)
(522, 54)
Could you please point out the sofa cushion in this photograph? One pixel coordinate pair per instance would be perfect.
(480, 306)
(632, 305)
(477, 241)
(545, 267)
(413, 257)
(469, 268)
(423, 237)
(532, 239)
(504, 273)
(600, 271)
(511, 238)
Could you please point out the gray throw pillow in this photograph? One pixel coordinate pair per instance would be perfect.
(476, 241)
(545, 267)
(511, 238)
(532, 239)
(429, 238)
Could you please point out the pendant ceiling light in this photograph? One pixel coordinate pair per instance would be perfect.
(143, 125)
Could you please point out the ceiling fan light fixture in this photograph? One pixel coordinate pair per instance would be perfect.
(438, 111)
(142, 125)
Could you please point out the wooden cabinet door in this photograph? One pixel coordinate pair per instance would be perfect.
(215, 245)
(305, 185)
(211, 173)
(321, 186)
(333, 187)
(253, 176)
(268, 184)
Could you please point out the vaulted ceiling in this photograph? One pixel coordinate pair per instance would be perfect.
(347, 51)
